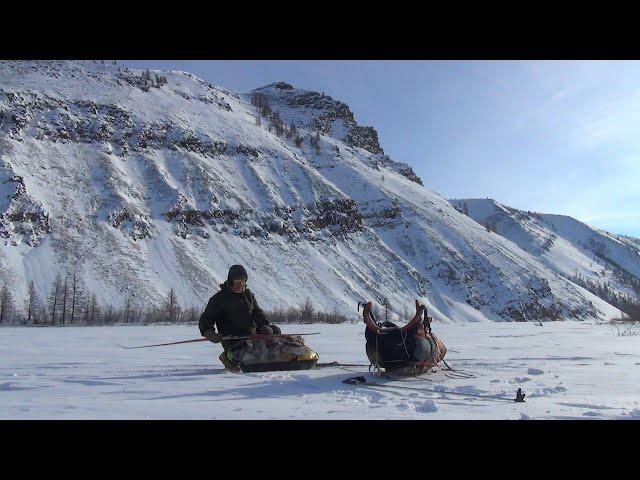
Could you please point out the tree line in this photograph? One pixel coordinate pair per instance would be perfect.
(71, 303)
(305, 313)
(624, 302)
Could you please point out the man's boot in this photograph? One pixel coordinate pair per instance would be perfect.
(229, 365)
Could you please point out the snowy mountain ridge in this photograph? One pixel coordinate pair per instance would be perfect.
(576, 251)
(146, 181)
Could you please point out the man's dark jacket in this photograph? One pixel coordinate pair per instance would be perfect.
(236, 314)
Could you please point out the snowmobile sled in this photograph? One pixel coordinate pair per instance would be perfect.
(405, 351)
(264, 353)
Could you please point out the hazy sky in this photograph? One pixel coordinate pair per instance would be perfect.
(548, 136)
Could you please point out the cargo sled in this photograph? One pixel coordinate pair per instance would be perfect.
(269, 354)
(409, 350)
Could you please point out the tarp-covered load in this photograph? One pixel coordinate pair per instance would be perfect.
(409, 350)
(266, 353)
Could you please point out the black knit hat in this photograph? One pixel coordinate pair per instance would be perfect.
(237, 272)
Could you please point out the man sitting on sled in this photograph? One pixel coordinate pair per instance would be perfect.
(235, 312)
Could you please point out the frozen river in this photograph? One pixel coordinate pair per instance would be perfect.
(567, 370)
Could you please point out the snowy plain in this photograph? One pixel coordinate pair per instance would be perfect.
(568, 370)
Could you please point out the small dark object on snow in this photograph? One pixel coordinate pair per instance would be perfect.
(355, 380)
(361, 381)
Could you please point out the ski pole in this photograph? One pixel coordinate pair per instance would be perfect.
(162, 344)
(223, 338)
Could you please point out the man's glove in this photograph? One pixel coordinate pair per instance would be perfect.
(269, 330)
(213, 336)
(265, 330)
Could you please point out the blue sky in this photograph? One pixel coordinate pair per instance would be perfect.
(548, 136)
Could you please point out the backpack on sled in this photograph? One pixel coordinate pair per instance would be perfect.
(269, 354)
(409, 350)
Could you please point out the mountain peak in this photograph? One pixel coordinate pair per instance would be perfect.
(276, 85)
(319, 113)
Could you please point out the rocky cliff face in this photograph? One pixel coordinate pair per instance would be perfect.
(318, 112)
(23, 218)
(146, 181)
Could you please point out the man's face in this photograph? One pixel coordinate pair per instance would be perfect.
(237, 286)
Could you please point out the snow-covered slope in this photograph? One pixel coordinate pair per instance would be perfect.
(606, 263)
(145, 185)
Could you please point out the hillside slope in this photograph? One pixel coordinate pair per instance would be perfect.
(147, 181)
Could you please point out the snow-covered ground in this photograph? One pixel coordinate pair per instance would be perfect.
(567, 369)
